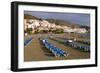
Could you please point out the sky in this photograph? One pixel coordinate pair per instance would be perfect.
(77, 18)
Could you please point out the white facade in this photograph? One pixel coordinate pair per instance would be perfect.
(80, 30)
(45, 23)
(75, 30)
(30, 23)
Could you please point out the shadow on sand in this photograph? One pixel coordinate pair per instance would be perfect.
(46, 51)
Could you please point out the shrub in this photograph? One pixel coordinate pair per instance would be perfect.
(28, 30)
(58, 31)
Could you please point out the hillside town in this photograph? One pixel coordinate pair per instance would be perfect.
(39, 25)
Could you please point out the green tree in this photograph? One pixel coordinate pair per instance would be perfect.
(28, 30)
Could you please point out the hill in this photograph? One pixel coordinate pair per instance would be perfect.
(63, 23)
(27, 16)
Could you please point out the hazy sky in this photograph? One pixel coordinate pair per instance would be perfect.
(78, 18)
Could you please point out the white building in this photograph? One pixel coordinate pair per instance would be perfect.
(30, 23)
(75, 30)
(80, 30)
(45, 23)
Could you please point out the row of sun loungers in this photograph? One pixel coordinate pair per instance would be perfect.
(27, 41)
(79, 46)
(84, 42)
(56, 51)
(74, 44)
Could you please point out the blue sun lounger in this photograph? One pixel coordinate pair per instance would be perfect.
(27, 41)
(56, 51)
